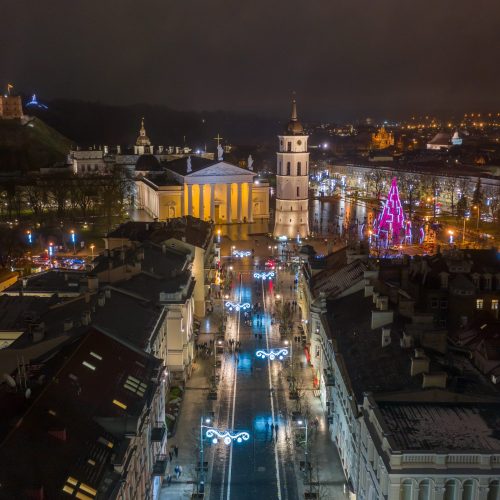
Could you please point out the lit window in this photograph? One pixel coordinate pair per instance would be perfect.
(88, 365)
(91, 462)
(479, 304)
(494, 305)
(134, 385)
(52, 412)
(79, 490)
(96, 356)
(119, 404)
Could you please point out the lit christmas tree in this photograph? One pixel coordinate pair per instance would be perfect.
(391, 221)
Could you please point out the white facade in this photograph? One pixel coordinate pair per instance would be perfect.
(292, 182)
(421, 475)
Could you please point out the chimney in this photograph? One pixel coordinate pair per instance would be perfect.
(107, 293)
(87, 297)
(106, 150)
(68, 324)
(86, 318)
(368, 290)
(164, 249)
(375, 297)
(406, 341)
(147, 226)
(443, 278)
(419, 365)
(59, 434)
(386, 336)
(25, 282)
(436, 379)
(101, 300)
(92, 282)
(383, 303)
(118, 150)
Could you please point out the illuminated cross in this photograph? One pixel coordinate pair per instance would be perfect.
(218, 139)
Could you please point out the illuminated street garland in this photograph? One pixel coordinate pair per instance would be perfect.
(241, 253)
(235, 306)
(227, 436)
(272, 354)
(264, 276)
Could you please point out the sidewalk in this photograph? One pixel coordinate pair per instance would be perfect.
(327, 476)
(186, 435)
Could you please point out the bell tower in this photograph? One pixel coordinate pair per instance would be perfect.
(292, 181)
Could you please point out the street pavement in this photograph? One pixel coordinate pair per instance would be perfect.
(252, 395)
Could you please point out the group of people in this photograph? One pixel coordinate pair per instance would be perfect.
(274, 427)
(174, 452)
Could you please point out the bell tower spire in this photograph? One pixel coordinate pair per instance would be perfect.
(294, 116)
(292, 181)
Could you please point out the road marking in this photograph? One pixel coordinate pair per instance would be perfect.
(278, 481)
(234, 399)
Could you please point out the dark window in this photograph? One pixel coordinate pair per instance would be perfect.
(287, 168)
(289, 148)
(298, 191)
(434, 303)
(444, 304)
(280, 169)
(299, 168)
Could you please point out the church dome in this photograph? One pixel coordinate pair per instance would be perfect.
(294, 126)
(147, 163)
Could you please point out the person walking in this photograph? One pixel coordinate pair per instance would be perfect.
(177, 472)
(176, 451)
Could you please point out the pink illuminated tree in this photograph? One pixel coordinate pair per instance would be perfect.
(391, 221)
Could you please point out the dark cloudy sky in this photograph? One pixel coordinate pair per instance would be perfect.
(344, 58)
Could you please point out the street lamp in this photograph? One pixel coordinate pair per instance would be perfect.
(214, 434)
(30, 237)
(463, 231)
(92, 250)
(73, 239)
(478, 208)
(302, 423)
(450, 232)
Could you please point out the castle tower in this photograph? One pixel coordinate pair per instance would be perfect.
(143, 144)
(292, 181)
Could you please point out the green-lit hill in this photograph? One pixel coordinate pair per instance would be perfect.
(30, 145)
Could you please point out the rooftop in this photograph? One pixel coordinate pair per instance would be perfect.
(75, 430)
(179, 165)
(189, 229)
(384, 370)
(443, 427)
(52, 281)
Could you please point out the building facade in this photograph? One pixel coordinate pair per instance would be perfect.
(292, 181)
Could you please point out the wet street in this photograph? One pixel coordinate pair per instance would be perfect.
(263, 466)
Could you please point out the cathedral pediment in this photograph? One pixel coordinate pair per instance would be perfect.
(221, 169)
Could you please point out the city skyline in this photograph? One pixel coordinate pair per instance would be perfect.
(345, 62)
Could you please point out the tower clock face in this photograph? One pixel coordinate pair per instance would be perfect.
(299, 142)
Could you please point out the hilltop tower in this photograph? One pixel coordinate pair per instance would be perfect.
(292, 181)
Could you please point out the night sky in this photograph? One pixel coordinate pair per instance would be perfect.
(346, 59)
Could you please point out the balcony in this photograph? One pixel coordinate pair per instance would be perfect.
(160, 465)
(158, 432)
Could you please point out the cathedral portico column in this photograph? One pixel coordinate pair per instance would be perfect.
(250, 204)
(202, 212)
(228, 203)
(212, 201)
(190, 199)
(239, 201)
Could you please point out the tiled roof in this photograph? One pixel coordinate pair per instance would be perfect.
(332, 282)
